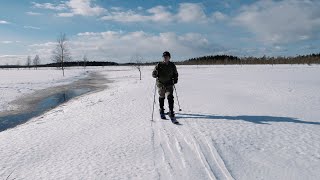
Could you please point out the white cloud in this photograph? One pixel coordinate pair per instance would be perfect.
(186, 13)
(12, 59)
(116, 8)
(82, 7)
(160, 13)
(156, 14)
(50, 6)
(43, 49)
(125, 16)
(4, 22)
(31, 27)
(33, 13)
(219, 16)
(276, 22)
(190, 12)
(72, 8)
(9, 42)
(6, 42)
(66, 14)
(120, 46)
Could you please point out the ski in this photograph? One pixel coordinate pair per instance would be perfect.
(174, 120)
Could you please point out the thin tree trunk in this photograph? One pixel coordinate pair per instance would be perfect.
(62, 63)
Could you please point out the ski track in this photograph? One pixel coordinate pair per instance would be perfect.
(215, 155)
(92, 137)
(185, 150)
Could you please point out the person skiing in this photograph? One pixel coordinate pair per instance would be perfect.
(167, 75)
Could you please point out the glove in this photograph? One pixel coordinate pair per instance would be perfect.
(175, 81)
(155, 74)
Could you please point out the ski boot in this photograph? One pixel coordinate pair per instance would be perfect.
(173, 117)
(162, 114)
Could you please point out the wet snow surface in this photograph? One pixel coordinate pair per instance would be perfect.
(249, 122)
(40, 101)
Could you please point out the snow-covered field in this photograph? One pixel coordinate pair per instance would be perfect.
(249, 122)
(16, 83)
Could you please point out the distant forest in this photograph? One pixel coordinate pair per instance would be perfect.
(66, 64)
(226, 59)
(204, 60)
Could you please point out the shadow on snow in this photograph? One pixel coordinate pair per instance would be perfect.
(251, 118)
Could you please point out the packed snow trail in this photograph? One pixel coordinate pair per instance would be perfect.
(185, 155)
(249, 122)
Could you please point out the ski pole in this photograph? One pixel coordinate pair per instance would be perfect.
(177, 97)
(154, 99)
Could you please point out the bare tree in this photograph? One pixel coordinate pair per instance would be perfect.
(28, 63)
(36, 61)
(85, 60)
(61, 52)
(136, 61)
(18, 64)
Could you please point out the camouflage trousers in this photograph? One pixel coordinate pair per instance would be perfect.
(165, 90)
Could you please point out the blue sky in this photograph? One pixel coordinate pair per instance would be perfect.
(116, 30)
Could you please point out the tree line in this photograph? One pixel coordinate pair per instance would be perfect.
(227, 59)
(204, 60)
(66, 64)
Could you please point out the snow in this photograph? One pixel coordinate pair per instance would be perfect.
(17, 83)
(238, 122)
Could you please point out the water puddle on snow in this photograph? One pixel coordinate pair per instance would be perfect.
(47, 103)
(44, 100)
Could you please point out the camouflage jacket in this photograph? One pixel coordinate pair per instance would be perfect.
(166, 74)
